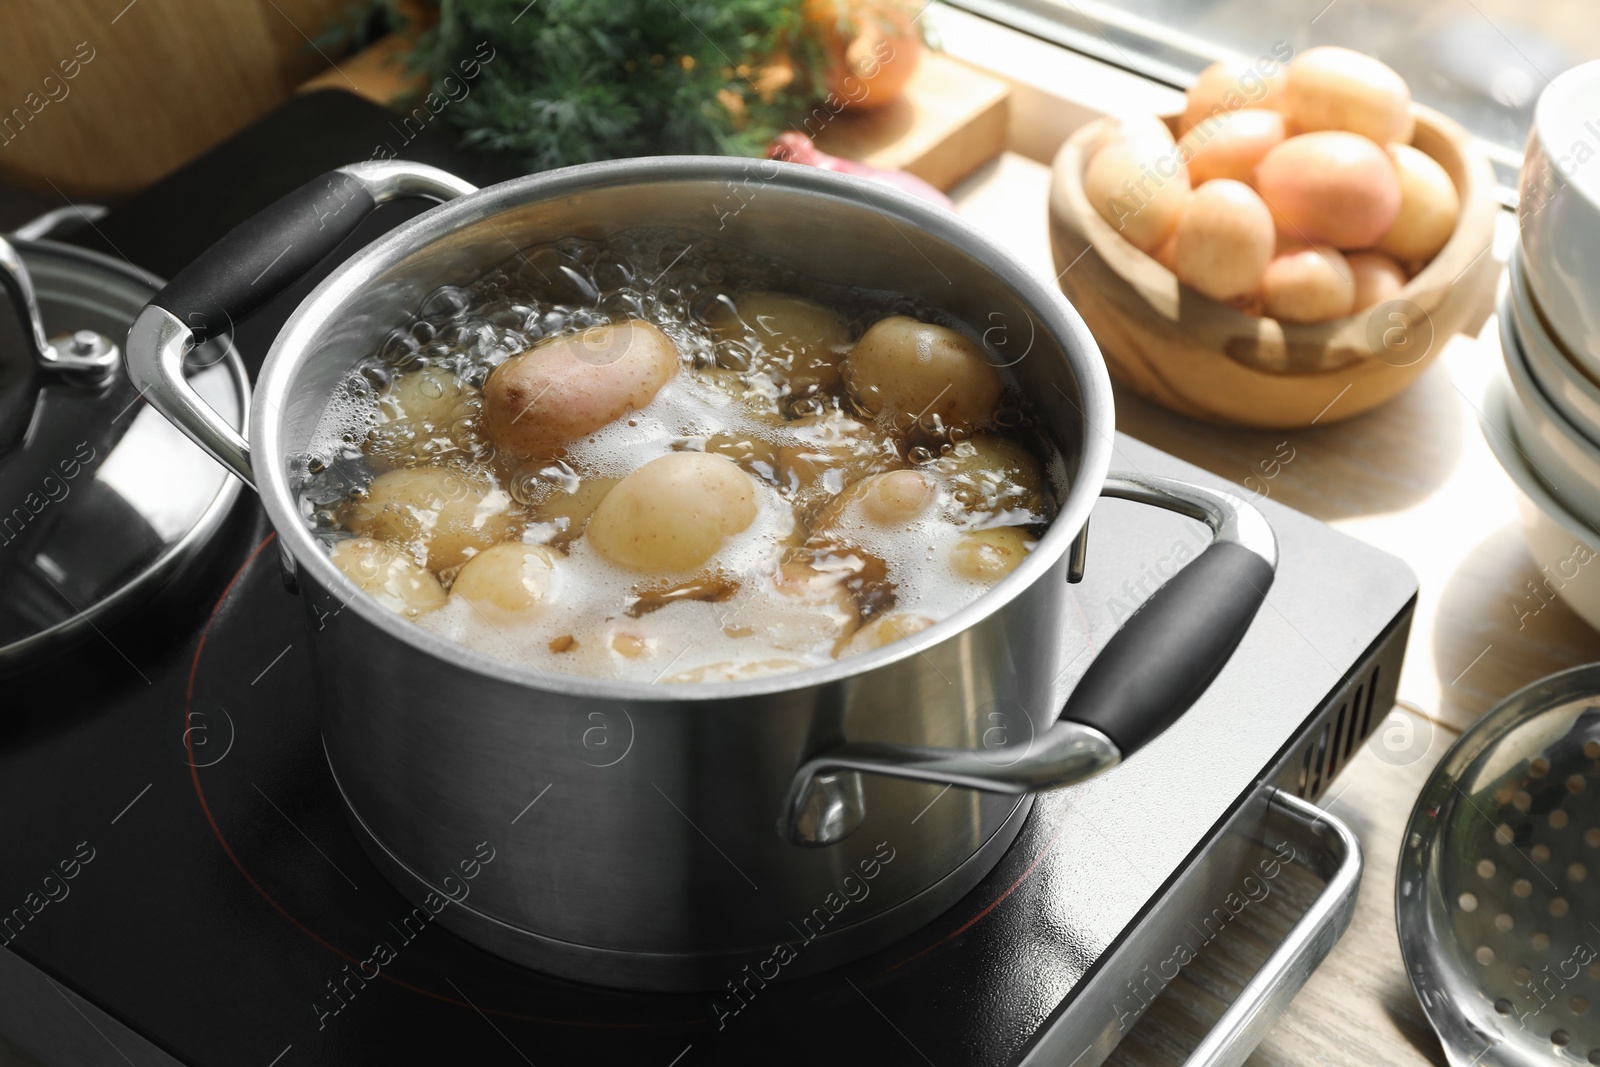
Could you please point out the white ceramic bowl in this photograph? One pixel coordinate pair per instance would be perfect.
(1559, 210)
(1565, 460)
(1564, 547)
(1569, 389)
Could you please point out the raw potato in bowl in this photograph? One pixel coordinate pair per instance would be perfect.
(694, 483)
(1226, 322)
(1320, 146)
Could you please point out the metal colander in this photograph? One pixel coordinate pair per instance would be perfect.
(1498, 892)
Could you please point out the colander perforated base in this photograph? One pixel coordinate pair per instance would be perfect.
(1498, 897)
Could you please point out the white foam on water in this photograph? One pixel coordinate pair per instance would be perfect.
(761, 618)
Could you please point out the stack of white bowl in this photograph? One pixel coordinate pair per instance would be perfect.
(1544, 414)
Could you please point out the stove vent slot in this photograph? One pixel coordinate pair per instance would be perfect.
(1344, 728)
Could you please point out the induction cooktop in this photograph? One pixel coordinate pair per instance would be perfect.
(181, 886)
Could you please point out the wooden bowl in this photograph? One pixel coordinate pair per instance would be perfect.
(1210, 361)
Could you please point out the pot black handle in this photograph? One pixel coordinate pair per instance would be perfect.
(1178, 640)
(1151, 671)
(252, 263)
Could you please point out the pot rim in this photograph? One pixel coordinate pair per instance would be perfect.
(289, 350)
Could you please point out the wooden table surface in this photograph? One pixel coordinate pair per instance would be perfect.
(1416, 479)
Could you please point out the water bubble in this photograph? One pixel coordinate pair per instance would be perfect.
(586, 290)
(399, 346)
(445, 302)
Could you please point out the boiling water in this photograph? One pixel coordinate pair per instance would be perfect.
(753, 612)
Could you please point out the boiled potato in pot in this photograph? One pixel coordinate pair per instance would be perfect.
(508, 583)
(389, 575)
(673, 513)
(568, 512)
(569, 387)
(448, 514)
(885, 630)
(831, 451)
(800, 342)
(989, 555)
(903, 367)
(990, 473)
(892, 499)
(430, 395)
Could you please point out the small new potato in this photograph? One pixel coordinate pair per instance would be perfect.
(1133, 128)
(895, 497)
(1377, 278)
(447, 513)
(673, 513)
(389, 575)
(992, 473)
(891, 499)
(733, 671)
(571, 386)
(570, 512)
(799, 341)
(1139, 187)
(430, 395)
(817, 608)
(989, 555)
(1230, 145)
(1312, 284)
(1330, 188)
(831, 451)
(508, 583)
(905, 367)
(884, 630)
(1332, 88)
(1429, 205)
(756, 393)
(1228, 86)
(1224, 240)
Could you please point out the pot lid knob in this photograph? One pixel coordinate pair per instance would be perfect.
(84, 356)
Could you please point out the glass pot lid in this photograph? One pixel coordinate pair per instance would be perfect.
(102, 502)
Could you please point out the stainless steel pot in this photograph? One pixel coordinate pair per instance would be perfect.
(666, 837)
